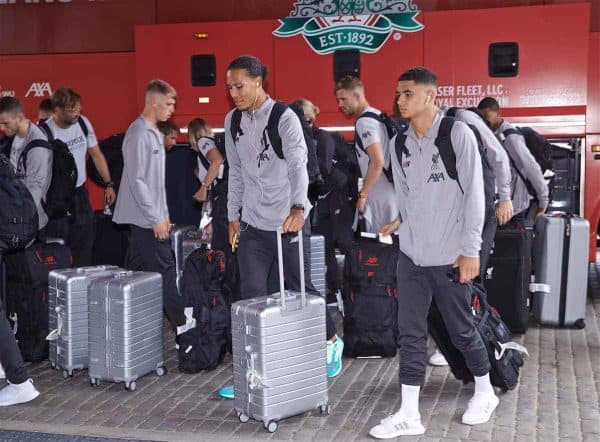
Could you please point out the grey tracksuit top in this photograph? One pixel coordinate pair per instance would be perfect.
(495, 153)
(439, 222)
(523, 159)
(142, 199)
(264, 186)
(37, 173)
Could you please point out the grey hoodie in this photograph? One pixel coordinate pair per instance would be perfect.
(37, 173)
(264, 186)
(439, 222)
(523, 160)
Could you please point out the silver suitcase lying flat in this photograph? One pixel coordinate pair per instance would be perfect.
(184, 240)
(317, 264)
(68, 316)
(279, 355)
(125, 327)
(560, 253)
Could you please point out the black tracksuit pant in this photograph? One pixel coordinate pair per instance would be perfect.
(152, 255)
(259, 271)
(77, 229)
(490, 224)
(416, 287)
(10, 355)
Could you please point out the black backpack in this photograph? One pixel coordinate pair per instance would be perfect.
(443, 142)
(392, 128)
(19, 221)
(59, 198)
(203, 346)
(370, 299)
(540, 147)
(112, 149)
(272, 131)
(505, 363)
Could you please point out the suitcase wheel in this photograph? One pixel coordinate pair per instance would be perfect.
(161, 371)
(243, 417)
(67, 374)
(271, 426)
(580, 323)
(325, 409)
(94, 382)
(131, 386)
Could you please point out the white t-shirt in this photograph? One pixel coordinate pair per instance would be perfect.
(205, 145)
(74, 137)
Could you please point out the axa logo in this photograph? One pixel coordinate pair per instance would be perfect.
(39, 89)
(330, 25)
(436, 177)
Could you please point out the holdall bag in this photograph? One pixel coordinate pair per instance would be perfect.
(203, 340)
(370, 300)
(504, 355)
(279, 352)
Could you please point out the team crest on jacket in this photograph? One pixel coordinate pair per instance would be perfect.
(435, 158)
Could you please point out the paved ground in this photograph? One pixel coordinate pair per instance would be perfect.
(557, 399)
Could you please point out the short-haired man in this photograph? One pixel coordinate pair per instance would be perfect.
(142, 200)
(375, 198)
(269, 192)
(76, 131)
(440, 236)
(35, 166)
(524, 168)
(170, 130)
(45, 110)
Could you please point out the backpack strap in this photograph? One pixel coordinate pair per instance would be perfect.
(272, 129)
(511, 131)
(234, 128)
(83, 126)
(46, 129)
(451, 112)
(373, 115)
(400, 147)
(32, 145)
(443, 142)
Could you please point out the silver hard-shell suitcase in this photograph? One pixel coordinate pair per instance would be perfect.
(125, 327)
(68, 316)
(560, 254)
(317, 264)
(279, 353)
(184, 240)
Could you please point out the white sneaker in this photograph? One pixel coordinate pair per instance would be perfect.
(480, 408)
(437, 359)
(2, 373)
(18, 393)
(397, 425)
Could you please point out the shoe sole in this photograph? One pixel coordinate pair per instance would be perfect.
(409, 432)
(24, 401)
(437, 364)
(482, 421)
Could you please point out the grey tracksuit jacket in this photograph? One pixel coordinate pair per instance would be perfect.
(439, 222)
(261, 184)
(523, 160)
(495, 153)
(142, 199)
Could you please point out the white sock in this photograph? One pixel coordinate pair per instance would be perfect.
(410, 401)
(483, 384)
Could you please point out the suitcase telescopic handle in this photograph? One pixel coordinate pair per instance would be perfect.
(300, 262)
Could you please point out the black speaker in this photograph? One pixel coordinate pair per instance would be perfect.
(346, 63)
(503, 60)
(204, 70)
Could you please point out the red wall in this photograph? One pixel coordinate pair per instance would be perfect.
(108, 26)
(592, 167)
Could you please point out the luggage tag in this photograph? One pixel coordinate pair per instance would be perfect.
(384, 239)
(510, 346)
(190, 321)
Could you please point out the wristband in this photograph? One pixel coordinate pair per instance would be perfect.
(109, 184)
